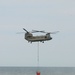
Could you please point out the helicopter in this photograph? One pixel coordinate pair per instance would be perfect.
(41, 38)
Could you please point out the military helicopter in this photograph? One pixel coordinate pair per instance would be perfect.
(41, 38)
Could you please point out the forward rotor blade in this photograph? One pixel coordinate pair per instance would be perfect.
(25, 30)
(20, 32)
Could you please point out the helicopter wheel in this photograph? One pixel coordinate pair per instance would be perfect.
(42, 41)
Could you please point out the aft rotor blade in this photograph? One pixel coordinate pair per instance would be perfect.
(54, 32)
(34, 31)
(25, 29)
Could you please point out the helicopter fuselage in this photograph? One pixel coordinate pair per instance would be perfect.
(30, 38)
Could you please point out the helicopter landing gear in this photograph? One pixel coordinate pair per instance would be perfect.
(42, 41)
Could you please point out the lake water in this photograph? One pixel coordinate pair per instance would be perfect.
(33, 70)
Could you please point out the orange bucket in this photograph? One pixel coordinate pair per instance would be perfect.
(37, 73)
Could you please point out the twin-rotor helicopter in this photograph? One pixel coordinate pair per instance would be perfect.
(41, 38)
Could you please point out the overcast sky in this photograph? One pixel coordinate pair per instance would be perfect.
(48, 15)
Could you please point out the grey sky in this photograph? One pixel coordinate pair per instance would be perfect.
(55, 15)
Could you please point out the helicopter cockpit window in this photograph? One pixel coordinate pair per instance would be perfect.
(29, 36)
